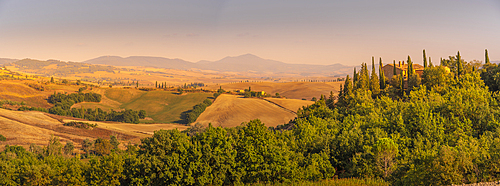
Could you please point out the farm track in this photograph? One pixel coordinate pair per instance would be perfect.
(288, 110)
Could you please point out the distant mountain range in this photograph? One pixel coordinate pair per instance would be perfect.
(247, 63)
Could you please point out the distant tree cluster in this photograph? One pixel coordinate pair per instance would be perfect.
(126, 116)
(219, 92)
(74, 98)
(63, 103)
(82, 125)
(248, 93)
(193, 114)
(36, 86)
(26, 108)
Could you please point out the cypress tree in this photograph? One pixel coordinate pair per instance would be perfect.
(355, 79)
(408, 68)
(341, 93)
(347, 86)
(366, 77)
(440, 61)
(459, 65)
(425, 60)
(156, 84)
(394, 72)
(486, 57)
(402, 83)
(381, 74)
(374, 81)
(430, 62)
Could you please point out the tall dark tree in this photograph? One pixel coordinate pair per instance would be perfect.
(394, 72)
(402, 85)
(355, 78)
(425, 60)
(430, 62)
(347, 87)
(486, 57)
(381, 74)
(409, 68)
(156, 84)
(364, 78)
(374, 81)
(460, 67)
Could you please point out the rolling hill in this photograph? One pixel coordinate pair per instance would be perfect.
(160, 106)
(25, 128)
(232, 110)
(294, 90)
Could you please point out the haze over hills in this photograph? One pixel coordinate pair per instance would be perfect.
(6, 60)
(242, 63)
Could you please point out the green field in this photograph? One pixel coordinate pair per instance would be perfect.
(161, 106)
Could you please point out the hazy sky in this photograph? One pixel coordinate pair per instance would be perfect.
(313, 32)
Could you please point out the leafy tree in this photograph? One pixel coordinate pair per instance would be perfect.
(436, 78)
(2, 138)
(114, 142)
(142, 114)
(87, 146)
(68, 148)
(102, 146)
(386, 151)
(105, 170)
(413, 81)
(54, 147)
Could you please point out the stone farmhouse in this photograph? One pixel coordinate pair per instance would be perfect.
(389, 70)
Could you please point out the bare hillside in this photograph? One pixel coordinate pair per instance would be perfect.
(232, 110)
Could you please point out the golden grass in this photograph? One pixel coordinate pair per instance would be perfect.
(160, 106)
(232, 110)
(294, 90)
(24, 128)
(141, 130)
(290, 104)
